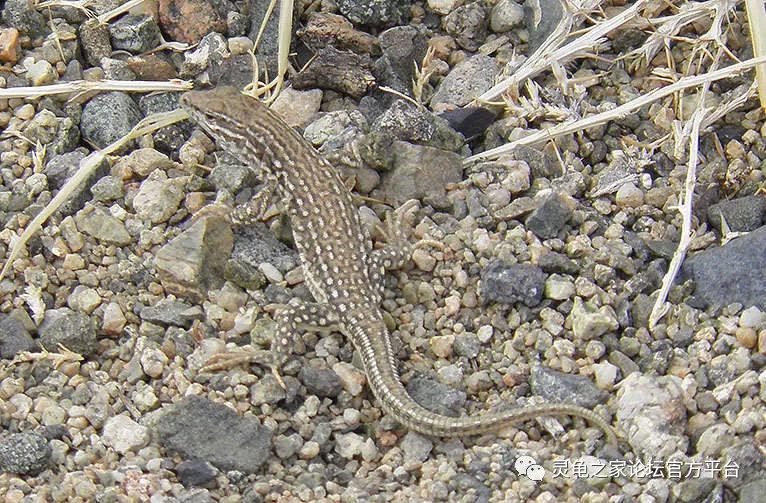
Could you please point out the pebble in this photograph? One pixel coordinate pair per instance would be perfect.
(629, 196)
(271, 272)
(125, 435)
(505, 15)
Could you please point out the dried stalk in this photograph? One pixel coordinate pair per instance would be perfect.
(82, 86)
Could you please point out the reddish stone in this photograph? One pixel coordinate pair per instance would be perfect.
(189, 20)
(9, 45)
(152, 67)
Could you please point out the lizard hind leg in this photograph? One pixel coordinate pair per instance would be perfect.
(312, 316)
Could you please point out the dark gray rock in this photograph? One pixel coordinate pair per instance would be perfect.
(406, 122)
(436, 397)
(107, 117)
(553, 262)
(196, 472)
(94, 39)
(750, 461)
(323, 383)
(743, 214)
(419, 172)
(73, 330)
(557, 386)
(199, 428)
(22, 15)
(135, 34)
(170, 138)
(467, 80)
(24, 453)
(377, 13)
(401, 45)
(468, 25)
(551, 215)
(725, 274)
(169, 312)
(467, 345)
(542, 17)
(14, 338)
(108, 188)
(230, 174)
(255, 244)
(512, 283)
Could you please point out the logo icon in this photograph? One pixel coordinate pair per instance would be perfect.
(527, 466)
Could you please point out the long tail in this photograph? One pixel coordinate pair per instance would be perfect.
(373, 342)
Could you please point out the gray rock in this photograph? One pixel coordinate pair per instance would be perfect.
(14, 338)
(210, 52)
(170, 138)
(58, 134)
(61, 167)
(436, 396)
(467, 80)
(551, 215)
(287, 445)
(623, 361)
(135, 34)
(553, 262)
(750, 462)
(743, 214)
(557, 386)
(94, 38)
(230, 174)
(24, 453)
(199, 428)
(108, 188)
(419, 172)
(512, 283)
(159, 197)
(107, 117)
(116, 69)
(22, 15)
(401, 45)
(175, 313)
(75, 331)
(652, 414)
(377, 13)
(323, 383)
(416, 447)
(752, 491)
(505, 15)
(724, 275)
(468, 25)
(467, 345)
(542, 17)
(97, 222)
(256, 244)
(406, 122)
(193, 262)
(196, 473)
(267, 390)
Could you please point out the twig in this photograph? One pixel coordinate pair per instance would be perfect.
(661, 307)
(87, 166)
(82, 86)
(620, 111)
(756, 16)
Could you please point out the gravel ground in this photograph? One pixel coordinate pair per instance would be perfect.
(551, 262)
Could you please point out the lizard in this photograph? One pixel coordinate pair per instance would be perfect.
(340, 267)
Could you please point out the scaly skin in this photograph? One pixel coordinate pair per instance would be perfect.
(341, 269)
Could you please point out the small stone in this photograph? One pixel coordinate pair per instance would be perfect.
(125, 435)
(297, 108)
(159, 197)
(135, 34)
(559, 288)
(468, 25)
(287, 445)
(551, 215)
(605, 374)
(752, 317)
(153, 362)
(442, 345)
(143, 162)
(97, 222)
(41, 73)
(348, 445)
(323, 383)
(423, 260)
(379, 13)
(587, 323)
(73, 330)
(467, 80)
(629, 196)
(352, 379)
(190, 20)
(25, 112)
(24, 453)
(416, 447)
(10, 49)
(747, 337)
(505, 15)
(196, 472)
(108, 117)
(512, 283)
(272, 273)
(14, 338)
